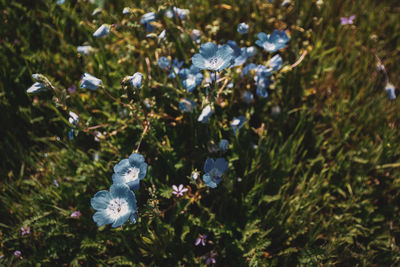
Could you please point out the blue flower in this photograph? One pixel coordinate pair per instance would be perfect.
(70, 136)
(103, 30)
(247, 97)
(272, 42)
(251, 51)
(243, 28)
(176, 65)
(60, 2)
(237, 123)
(249, 67)
(36, 87)
(73, 118)
(195, 35)
(85, 49)
(390, 90)
(191, 78)
(181, 13)
(97, 11)
(126, 11)
(162, 35)
(130, 171)
(276, 62)
(90, 82)
(240, 54)
(114, 207)
(262, 80)
(164, 63)
(205, 114)
(223, 145)
(187, 105)
(169, 13)
(136, 80)
(213, 58)
(147, 19)
(213, 170)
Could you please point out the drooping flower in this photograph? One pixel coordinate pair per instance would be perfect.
(275, 62)
(272, 42)
(205, 114)
(187, 105)
(115, 206)
(73, 118)
(178, 191)
(147, 19)
(103, 30)
(56, 183)
(76, 214)
(195, 35)
(191, 78)
(181, 13)
(130, 171)
(164, 63)
(136, 80)
(201, 240)
(213, 170)
(390, 90)
(347, 20)
(212, 57)
(240, 54)
(90, 82)
(262, 80)
(25, 230)
(238, 123)
(223, 145)
(243, 28)
(247, 96)
(176, 65)
(85, 49)
(36, 88)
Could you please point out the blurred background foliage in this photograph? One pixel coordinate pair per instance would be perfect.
(316, 184)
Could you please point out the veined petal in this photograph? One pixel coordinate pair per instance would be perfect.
(121, 220)
(208, 50)
(101, 218)
(209, 165)
(199, 61)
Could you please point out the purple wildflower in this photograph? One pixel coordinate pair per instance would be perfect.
(210, 258)
(349, 20)
(18, 254)
(72, 89)
(56, 183)
(178, 191)
(201, 239)
(76, 214)
(25, 231)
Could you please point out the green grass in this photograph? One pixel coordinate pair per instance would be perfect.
(321, 187)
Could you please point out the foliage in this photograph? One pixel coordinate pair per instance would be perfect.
(316, 183)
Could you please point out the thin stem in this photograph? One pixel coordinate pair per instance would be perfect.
(117, 100)
(383, 68)
(299, 60)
